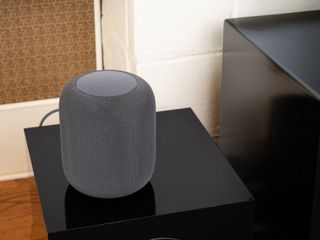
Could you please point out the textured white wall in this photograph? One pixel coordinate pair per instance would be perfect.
(177, 46)
(117, 27)
(178, 51)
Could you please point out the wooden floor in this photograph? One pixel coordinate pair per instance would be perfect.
(20, 211)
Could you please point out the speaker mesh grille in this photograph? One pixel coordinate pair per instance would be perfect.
(108, 143)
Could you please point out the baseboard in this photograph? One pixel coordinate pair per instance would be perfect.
(16, 176)
(14, 156)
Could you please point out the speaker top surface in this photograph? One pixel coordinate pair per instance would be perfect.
(106, 83)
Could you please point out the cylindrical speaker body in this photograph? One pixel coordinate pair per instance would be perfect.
(108, 133)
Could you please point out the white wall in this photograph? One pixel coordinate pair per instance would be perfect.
(14, 157)
(175, 45)
(178, 51)
(117, 27)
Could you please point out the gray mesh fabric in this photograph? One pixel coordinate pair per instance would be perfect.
(108, 143)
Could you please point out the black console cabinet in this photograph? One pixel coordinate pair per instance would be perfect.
(194, 192)
(270, 119)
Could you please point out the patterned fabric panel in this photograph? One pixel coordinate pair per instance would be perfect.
(43, 45)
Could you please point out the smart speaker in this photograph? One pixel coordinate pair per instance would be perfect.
(108, 133)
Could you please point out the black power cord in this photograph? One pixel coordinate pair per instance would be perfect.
(47, 115)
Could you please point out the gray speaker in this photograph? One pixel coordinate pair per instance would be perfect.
(108, 133)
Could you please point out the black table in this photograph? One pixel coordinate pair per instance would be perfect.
(194, 193)
(270, 119)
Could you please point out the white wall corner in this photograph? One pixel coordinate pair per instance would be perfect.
(97, 32)
(117, 35)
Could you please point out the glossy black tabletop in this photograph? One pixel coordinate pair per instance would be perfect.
(191, 173)
(292, 41)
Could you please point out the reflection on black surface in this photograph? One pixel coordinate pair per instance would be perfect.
(285, 198)
(294, 135)
(82, 210)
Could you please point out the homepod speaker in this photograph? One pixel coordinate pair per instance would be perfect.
(108, 133)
